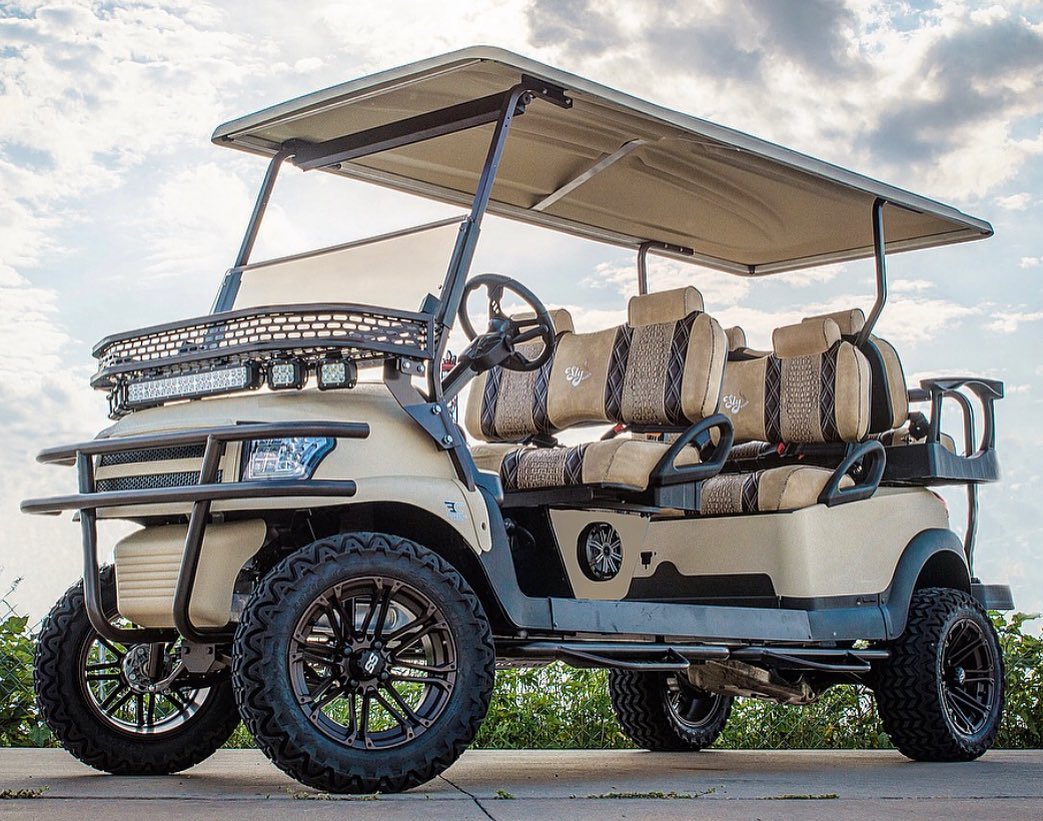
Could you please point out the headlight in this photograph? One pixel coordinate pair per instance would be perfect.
(292, 458)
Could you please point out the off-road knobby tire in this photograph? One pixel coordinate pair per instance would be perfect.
(908, 686)
(260, 669)
(80, 730)
(639, 700)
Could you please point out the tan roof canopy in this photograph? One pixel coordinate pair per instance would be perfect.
(611, 167)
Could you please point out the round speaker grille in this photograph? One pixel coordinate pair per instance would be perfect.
(600, 552)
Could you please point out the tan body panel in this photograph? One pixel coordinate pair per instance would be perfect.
(148, 563)
(396, 463)
(846, 550)
(569, 524)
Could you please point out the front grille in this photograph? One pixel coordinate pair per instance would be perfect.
(150, 481)
(128, 457)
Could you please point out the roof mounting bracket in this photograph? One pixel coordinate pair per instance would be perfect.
(548, 91)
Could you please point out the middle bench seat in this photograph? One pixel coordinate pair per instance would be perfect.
(664, 366)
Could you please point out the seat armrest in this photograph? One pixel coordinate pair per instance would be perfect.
(867, 462)
(712, 455)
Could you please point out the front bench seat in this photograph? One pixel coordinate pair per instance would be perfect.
(662, 367)
(622, 463)
(813, 387)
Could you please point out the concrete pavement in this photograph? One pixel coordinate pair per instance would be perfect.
(242, 784)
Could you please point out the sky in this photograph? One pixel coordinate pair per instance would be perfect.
(116, 211)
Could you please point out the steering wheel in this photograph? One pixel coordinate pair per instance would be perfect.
(497, 346)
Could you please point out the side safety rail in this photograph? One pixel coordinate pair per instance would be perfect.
(201, 496)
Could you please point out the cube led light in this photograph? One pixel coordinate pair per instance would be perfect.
(286, 374)
(337, 373)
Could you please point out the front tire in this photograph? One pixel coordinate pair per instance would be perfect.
(940, 694)
(87, 701)
(662, 712)
(363, 663)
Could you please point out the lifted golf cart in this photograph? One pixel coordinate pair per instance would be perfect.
(333, 561)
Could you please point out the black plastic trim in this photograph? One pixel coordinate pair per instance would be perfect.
(993, 596)
(668, 584)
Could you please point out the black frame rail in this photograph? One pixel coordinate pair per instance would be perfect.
(201, 496)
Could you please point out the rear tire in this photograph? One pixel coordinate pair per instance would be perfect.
(363, 663)
(940, 694)
(85, 699)
(663, 712)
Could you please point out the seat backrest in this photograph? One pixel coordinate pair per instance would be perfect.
(511, 406)
(889, 398)
(812, 387)
(738, 348)
(662, 367)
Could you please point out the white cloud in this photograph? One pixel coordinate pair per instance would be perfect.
(906, 286)
(1030, 262)
(1015, 202)
(1008, 322)
(717, 287)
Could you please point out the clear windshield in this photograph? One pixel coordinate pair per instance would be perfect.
(394, 271)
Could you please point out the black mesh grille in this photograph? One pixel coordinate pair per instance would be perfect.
(150, 481)
(129, 457)
(358, 332)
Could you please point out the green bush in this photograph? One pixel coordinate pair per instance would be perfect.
(19, 723)
(556, 707)
(1023, 655)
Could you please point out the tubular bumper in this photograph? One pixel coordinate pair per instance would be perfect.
(201, 495)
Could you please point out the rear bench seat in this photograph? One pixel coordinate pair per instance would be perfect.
(813, 387)
(662, 367)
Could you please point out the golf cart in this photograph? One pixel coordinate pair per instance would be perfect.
(330, 558)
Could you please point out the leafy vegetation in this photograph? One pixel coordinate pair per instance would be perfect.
(556, 707)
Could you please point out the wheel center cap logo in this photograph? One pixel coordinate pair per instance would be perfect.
(370, 662)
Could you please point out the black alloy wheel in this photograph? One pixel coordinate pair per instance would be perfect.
(373, 663)
(114, 707)
(663, 712)
(941, 692)
(363, 663)
(695, 710)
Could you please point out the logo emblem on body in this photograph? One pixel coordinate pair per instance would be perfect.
(454, 511)
(575, 374)
(734, 402)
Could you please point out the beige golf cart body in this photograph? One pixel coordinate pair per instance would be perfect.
(585, 160)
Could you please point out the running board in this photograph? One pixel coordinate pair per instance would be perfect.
(666, 657)
(620, 655)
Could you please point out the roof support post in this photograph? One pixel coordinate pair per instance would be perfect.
(642, 259)
(879, 253)
(463, 252)
(230, 284)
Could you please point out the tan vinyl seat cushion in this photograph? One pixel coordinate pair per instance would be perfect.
(851, 322)
(773, 490)
(814, 387)
(620, 462)
(663, 367)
